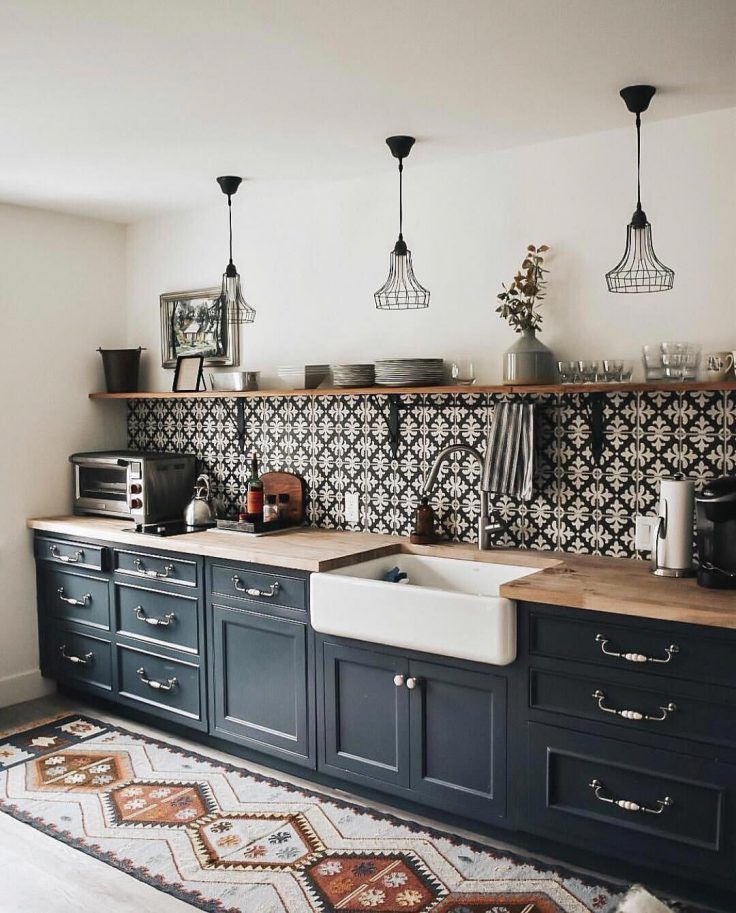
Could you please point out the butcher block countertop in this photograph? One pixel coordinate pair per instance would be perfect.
(621, 586)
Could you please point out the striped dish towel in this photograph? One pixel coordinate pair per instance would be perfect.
(508, 467)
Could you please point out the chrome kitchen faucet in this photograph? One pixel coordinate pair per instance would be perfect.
(486, 526)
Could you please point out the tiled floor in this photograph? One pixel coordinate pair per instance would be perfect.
(41, 875)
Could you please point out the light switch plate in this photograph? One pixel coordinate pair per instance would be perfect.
(352, 507)
(644, 534)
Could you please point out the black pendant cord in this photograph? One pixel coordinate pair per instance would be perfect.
(401, 199)
(230, 221)
(638, 162)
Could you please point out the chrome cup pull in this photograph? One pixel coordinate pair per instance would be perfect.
(272, 591)
(626, 804)
(67, 559)
(140, 566)
(168, 619)
(635, 657)
(665, 711)
(168, 685)
(76, 660)
(398, 680)
(70, 600)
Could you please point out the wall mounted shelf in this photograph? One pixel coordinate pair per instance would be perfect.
(686, 386)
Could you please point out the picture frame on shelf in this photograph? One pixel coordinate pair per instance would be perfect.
(188, 376)
(192, 323)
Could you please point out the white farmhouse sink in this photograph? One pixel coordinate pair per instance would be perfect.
(449, 606)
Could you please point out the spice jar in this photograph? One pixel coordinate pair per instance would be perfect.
(270, 510)
(284, 506)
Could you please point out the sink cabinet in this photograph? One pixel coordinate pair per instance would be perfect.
(434, 731)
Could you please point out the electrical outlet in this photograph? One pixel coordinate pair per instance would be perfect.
(352, 507)
(644, 533)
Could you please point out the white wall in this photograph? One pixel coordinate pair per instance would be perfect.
(311, 256)
(61, 295)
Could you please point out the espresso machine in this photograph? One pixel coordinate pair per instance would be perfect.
(715, 508)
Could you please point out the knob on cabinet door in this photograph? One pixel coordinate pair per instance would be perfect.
(411, 683)
(398, 680)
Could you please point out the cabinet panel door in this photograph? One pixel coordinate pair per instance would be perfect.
(260, 682)
(458, 739)
(366, 715)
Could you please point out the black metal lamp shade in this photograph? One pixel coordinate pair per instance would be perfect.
(230, 301)
(639, 270)
(402, 290)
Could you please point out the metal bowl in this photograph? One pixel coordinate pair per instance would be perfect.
(234, 381)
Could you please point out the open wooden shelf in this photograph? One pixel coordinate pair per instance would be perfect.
(685, 386)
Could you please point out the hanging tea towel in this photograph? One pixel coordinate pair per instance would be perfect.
(508, 467)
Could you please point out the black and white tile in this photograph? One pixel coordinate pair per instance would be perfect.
(340, 446)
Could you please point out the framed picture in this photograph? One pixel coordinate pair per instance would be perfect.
(192, 323)
(188, 375)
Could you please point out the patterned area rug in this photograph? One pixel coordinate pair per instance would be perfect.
(230, 841)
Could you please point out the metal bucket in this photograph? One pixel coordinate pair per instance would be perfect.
(121, 369)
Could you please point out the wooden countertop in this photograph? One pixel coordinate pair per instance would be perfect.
(302, 549)
(621, 586)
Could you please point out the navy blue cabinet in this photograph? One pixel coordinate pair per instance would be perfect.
(260, 683)
(365, 714)
(435, 731)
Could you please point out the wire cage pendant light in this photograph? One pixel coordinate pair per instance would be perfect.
(402, 290)
(231, 302)
(639, 270)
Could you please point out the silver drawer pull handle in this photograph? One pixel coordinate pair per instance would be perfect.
(84, 601)
(168, 619)
(77, 660)
(152, 683)
(168, 570)
(626, 804)
(411, 683)
(398, 680)
(633, 714)
(272, 591)
(67, 559)
(635, 657)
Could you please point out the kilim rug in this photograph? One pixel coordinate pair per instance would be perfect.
(231, 841)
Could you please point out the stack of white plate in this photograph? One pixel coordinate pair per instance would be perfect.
(353, 375)
(410, 372)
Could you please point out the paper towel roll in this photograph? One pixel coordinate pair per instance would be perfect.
(677, 506)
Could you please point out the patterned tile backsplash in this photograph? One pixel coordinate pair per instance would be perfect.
(340, 444)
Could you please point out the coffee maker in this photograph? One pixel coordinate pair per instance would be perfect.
(715, 508)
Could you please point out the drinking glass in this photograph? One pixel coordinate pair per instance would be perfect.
(652, 358)
(568, 371)
(462, 372)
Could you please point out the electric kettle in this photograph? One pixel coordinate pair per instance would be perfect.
(200, 511)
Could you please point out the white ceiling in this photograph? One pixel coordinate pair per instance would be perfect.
(125, 108)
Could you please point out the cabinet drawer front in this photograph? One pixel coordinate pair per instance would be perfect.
(659, 807)
(71, 554)
(153, 615)
(260, 681)
(76, 597)
(259, 586)
(81, 659)
(647, 650)
(167, 686)
(157, 567)
(660, 708)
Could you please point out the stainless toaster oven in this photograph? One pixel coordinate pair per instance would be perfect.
(133, 485)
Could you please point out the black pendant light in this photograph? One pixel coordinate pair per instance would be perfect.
(401, 291)
(639, 270)
(231, 301)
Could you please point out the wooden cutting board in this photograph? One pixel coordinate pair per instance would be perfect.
(277, 483)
